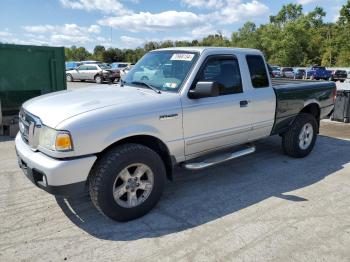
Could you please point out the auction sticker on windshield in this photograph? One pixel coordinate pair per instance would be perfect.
(170, 85)
(182, 57)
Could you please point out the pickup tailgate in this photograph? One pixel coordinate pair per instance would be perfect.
(292, 96)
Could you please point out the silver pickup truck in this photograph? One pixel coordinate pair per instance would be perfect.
(187, 107)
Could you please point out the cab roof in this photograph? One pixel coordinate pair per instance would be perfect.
(201, 49)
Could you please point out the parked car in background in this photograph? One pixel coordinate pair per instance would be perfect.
(318, 72)
(96, 72)
(300, 74)
(72, 65)
(272, 75)
(126, 70)
(276, 70)
(339, 75)
(117, 68)
(287, 72)
(119, 65)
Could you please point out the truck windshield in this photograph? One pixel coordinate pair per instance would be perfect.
(164, 70)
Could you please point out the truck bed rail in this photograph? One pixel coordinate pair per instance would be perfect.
(286, 81)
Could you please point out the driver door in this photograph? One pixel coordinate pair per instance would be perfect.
(216, 122)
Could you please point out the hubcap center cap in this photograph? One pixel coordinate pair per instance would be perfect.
(132, 184)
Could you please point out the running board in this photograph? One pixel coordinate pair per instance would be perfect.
(219, 159)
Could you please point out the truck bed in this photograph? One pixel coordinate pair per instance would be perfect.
(293, 95)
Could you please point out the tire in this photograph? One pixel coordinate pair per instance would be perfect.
(98, 79)
(107, 172)
(297, 144)
(69, 78)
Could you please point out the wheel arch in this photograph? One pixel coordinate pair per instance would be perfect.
(152, 142)
(98, 74)
(312, 108)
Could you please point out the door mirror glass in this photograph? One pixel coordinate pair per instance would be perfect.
(204, 89)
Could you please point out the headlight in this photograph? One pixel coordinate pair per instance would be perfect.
(55, 140)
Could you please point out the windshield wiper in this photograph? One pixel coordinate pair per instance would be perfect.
(147, 85)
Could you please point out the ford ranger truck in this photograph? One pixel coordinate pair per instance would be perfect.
(189, 107)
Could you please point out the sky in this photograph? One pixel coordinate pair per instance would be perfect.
(131, 23)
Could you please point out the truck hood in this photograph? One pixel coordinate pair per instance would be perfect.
(56, 107)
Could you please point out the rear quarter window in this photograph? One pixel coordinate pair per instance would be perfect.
(257, 70)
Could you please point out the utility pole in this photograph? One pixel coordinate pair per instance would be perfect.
(330, 46)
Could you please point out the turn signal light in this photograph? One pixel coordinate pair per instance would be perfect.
(63, 142)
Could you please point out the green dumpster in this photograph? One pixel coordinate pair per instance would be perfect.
(29, 71)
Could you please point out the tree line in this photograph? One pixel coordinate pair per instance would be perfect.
(291, 38)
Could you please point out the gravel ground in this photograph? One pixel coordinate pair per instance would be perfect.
(264, 206)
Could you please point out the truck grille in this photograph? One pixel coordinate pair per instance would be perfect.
(29, 126)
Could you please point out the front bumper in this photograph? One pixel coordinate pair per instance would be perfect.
(56, 176)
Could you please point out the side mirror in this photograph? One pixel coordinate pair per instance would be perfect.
(204, 89)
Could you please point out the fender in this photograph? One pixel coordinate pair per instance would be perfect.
(129, 131)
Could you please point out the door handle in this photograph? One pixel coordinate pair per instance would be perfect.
(243, 103)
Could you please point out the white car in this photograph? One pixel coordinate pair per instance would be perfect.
(287, 72)
(96, 72)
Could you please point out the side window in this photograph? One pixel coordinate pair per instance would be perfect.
(225, 71)
(257, 70)
(92, 68)
(82, 68)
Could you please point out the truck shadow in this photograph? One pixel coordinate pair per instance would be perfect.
(196, 198)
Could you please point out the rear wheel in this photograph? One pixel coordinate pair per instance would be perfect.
(69, 78)
(301, 137)
(127, 182)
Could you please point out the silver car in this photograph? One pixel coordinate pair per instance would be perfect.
(287, 72)
(97, 72)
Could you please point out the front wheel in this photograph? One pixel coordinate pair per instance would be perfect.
(127, 182)
(301, 137)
